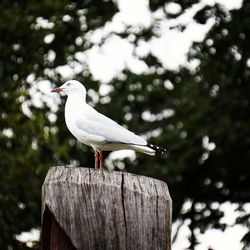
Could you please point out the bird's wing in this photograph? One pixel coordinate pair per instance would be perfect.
(85, 135)
(94, 115)
(104, 127)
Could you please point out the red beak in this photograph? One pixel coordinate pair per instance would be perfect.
(56, 90)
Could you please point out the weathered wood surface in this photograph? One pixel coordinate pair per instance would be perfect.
(86, 209)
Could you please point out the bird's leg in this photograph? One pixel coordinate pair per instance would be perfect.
(101, 158)
(96, 159)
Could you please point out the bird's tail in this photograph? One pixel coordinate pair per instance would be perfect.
(148, 149)
(157, 149)
(143, 149)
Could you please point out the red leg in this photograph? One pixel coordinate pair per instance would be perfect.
(96, 160)
(101, 160)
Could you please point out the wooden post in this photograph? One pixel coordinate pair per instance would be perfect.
(86, 209)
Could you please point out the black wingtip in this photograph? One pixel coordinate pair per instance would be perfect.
(157, 149)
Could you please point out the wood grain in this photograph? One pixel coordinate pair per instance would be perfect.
(109, 210)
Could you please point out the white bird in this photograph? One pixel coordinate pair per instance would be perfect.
(96, 130)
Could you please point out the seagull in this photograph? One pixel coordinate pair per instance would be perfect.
(95, 129)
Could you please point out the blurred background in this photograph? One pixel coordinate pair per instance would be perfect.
(175, 72)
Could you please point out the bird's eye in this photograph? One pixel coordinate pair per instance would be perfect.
(68, 84)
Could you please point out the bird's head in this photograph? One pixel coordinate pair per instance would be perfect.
(71, 87)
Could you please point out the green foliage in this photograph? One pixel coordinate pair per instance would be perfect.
(211, 102)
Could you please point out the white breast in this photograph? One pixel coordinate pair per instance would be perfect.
(71, 115)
